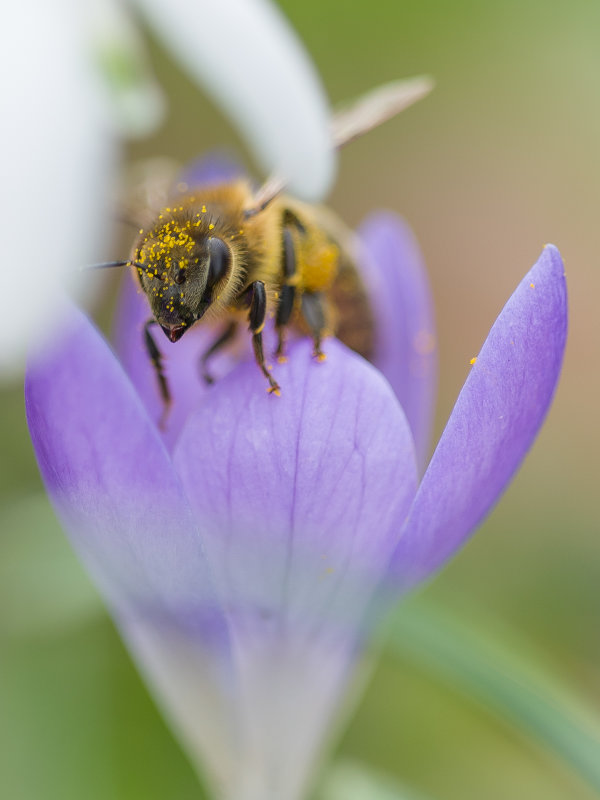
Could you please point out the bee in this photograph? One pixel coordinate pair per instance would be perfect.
(227, 252)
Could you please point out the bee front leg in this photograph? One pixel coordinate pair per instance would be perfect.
(225, 337)
(156, 358)
(256, 318)
(313, 311)
(288, 292)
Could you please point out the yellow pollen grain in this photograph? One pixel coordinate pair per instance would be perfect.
(473, 360)
(211, 226)
(204, 209)
(532, 285)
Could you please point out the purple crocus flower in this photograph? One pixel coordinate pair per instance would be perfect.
(242, 551)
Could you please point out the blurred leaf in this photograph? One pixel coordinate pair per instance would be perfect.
(348, 780)
(75, 719)
(77, 723)
(500, 677)
(43, 588)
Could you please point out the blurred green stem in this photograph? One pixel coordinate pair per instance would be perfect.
(513, 687)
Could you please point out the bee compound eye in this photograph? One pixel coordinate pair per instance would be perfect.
(220, 259)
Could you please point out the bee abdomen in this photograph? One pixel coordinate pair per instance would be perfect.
(352, 313)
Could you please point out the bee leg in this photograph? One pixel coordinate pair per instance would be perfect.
(157, 362)
(288, 292)
(256, 318)
(225, 337)
(284, 312)
(313, 312)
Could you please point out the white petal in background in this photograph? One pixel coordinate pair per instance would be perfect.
(57, 159)
(61, 61)
(250, 61)
(136, 104)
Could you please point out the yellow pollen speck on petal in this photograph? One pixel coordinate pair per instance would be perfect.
(532, 285)
(473, 360)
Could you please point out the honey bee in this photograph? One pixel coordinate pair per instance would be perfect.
(226, 252)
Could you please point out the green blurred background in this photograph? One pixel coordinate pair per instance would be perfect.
(502, 158)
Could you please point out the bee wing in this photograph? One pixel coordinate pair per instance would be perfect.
(377, 107)
(349, 123)
(147, 186)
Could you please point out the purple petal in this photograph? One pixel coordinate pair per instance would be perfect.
(300, 499)
(405, 343)
(115, 490)
(217, 167)
(494, 422)
(181, 360)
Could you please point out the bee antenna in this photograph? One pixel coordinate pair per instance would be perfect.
(110, 264)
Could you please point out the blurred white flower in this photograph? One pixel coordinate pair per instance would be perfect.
(73, 81)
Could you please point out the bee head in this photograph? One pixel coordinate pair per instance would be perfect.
(181, 273)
